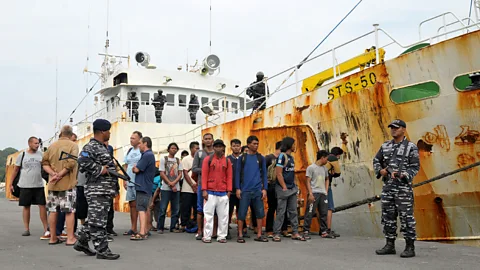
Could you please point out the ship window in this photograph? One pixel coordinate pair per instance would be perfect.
(415, 92)
(224, 104)
(144, 98)
(170, 99)
(182, 100)
(235, 107)
(120, 78)
(467, 82)
(215, 104)
(204, 100)
(108, 105)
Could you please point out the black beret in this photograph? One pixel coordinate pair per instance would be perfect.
(101, 125)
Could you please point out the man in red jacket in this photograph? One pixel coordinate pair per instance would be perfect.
(216, 189)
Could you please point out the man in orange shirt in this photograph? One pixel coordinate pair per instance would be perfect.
(61, 184)
(216, 189)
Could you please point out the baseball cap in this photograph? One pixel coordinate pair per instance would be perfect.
(397, 123)
(218, 142)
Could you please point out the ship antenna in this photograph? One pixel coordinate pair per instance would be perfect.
(210, 26)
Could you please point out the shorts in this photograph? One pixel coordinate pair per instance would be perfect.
(199, 199)
(82, 205)
(131, 194)
(331, 206)
(143, 201)
(251, 197)
(29, 196)
(62, 201)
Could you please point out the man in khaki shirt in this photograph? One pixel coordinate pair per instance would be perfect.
(61, 184)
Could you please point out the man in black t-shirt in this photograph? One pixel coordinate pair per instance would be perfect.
(271, 196)
(333, 171)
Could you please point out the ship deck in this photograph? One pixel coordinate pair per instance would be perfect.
(170, 251)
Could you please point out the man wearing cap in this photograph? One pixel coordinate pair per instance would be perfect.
(100, 188)
(397, 162)
(258, 91)
(216, 189)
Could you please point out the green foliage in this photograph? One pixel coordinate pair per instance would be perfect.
(3, 160)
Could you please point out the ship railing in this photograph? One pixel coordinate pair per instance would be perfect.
(467, 20)
(160, 144)
(336, 73)
(444, 19)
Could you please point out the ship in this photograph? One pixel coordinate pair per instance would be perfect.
(433, 85)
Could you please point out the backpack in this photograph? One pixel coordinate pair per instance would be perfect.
(16, 188)
(242, 166)
(271, 173)
(194, 175)
(129, 150)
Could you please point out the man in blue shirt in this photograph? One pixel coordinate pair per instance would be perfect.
(251, 184)
(145, 172)
(286, 190)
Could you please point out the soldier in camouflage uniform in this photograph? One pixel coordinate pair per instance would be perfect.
(100, 188)
(159, 103)
(193, 107)
(397, 162)
(132, 106)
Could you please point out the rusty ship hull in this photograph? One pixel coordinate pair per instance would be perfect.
(445, 127)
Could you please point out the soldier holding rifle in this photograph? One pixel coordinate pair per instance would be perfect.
(94, 160)
(397, 162)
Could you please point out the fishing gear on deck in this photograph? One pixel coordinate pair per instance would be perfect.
(377, 197)
(124, 176)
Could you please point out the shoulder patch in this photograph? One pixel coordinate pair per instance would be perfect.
(84, 154)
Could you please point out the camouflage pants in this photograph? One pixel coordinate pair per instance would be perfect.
(134, 115)
(193, 117)
(96, 226)
(158, 115)
(257, 103)
(397, 200)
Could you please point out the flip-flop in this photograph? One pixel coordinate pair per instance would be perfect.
(129, 232)
(299, 238)
(223, 241)
(57, 242)
(69, 244)
(240, 240)
(206, 241)
(137, 237)
(262, 238)
(199, 237)
(277, 238)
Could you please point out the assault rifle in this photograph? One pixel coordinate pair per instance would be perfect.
(124, 176)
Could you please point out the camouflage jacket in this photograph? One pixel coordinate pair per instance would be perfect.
(159, 102)
(93, 157)
(385, 158)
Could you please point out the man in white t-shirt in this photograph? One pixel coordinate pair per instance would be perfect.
(189, 187)
(131, 159)
(170, 173)
(29, 164)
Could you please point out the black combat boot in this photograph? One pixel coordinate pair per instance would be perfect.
(82, 246)
(389, 248)
(107, 255)
(409, 249)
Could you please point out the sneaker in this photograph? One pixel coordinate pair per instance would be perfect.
(45, 236)
(109, 238)
(112, 233)
(327, 235)
(270, 234)
(334, 234)
(63, 236)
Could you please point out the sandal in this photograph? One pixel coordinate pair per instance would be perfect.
(206, 241)
(299, 238)
(240, 240)
(223, 241)
(138, 237)
(277, 238)
(57, 242)
(306, 235)
(261, 238)
(129, 232)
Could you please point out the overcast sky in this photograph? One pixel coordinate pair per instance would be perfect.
(248, 36)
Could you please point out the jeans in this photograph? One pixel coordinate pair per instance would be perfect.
(272, 208)
(173, 198)
(320, 204)
(249, 198)
(286, 203)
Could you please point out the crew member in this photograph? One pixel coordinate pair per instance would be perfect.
(193, 107)
(94, 160)
(397, 162)
(159, 103)
(132, 106)
(258, 92)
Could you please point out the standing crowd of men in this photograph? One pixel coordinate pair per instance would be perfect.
(203, 188)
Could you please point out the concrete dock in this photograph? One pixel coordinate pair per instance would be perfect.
(181, 251)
